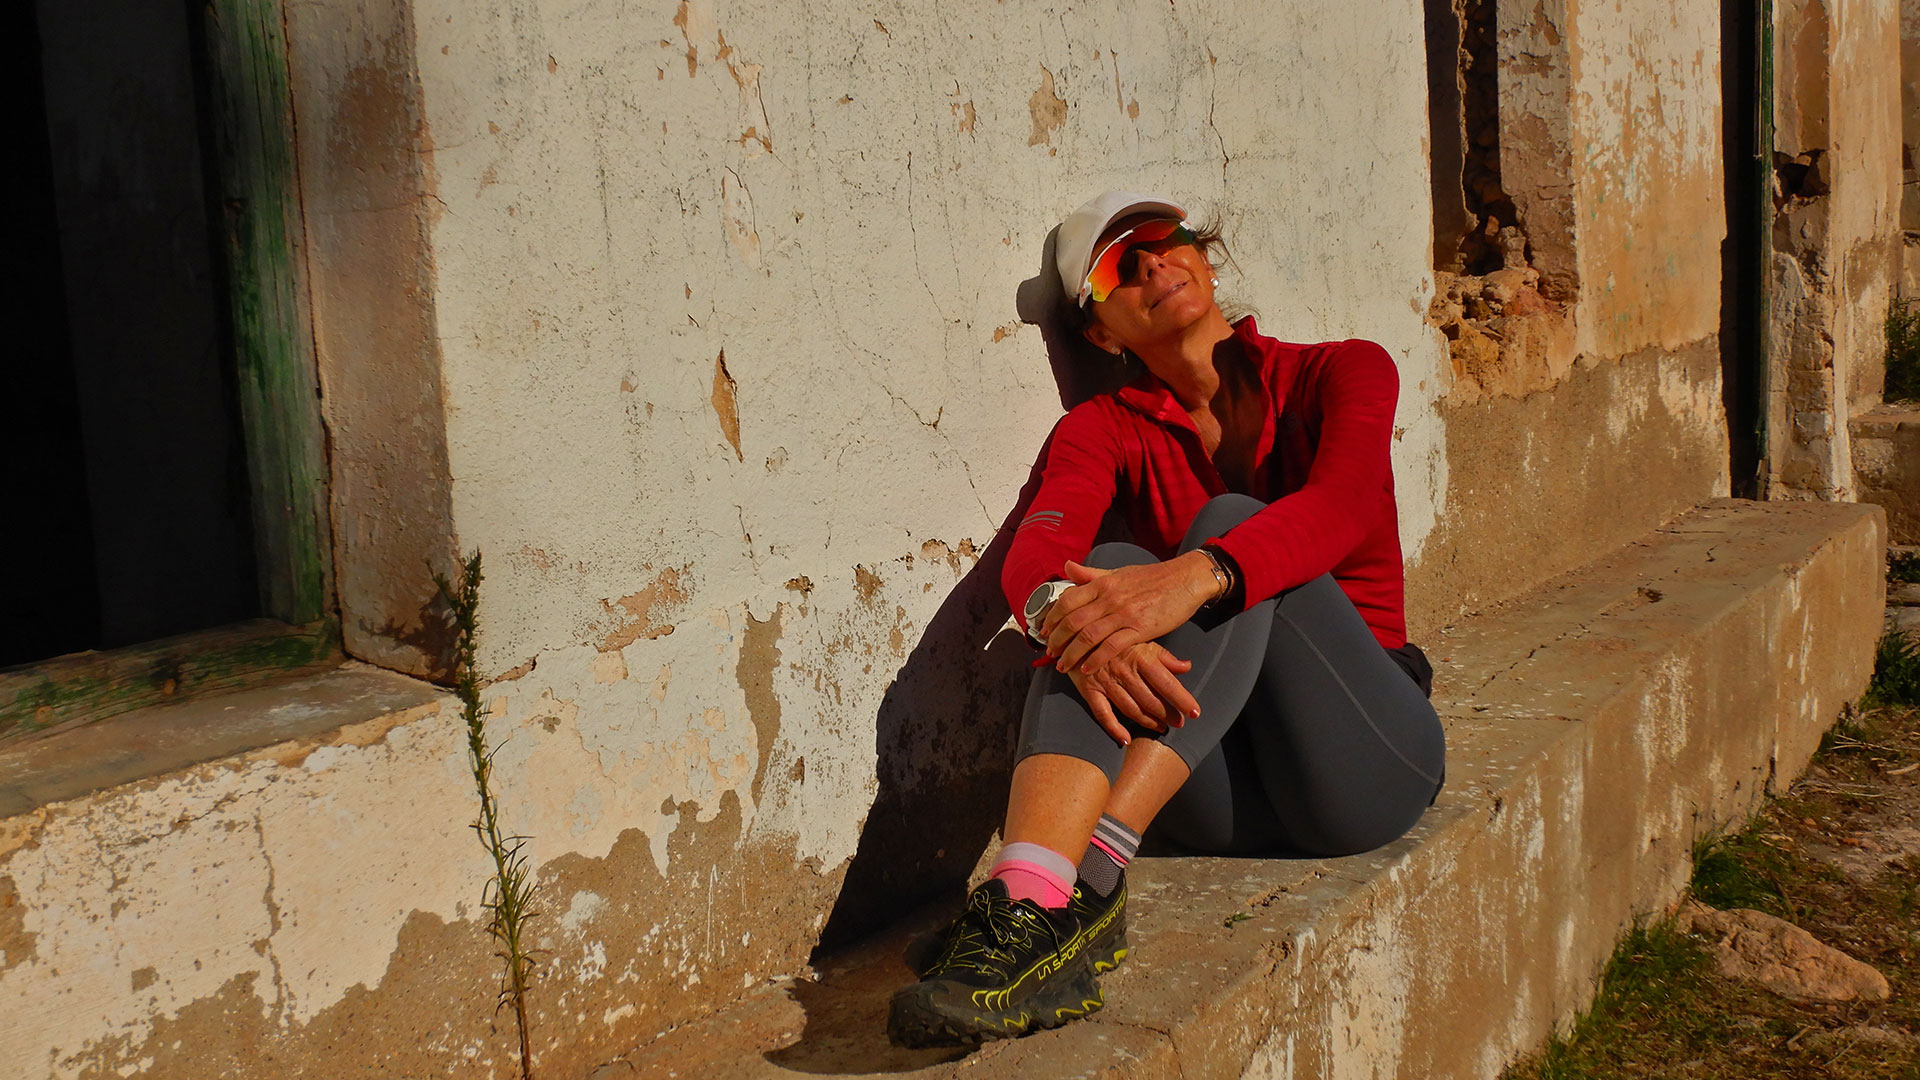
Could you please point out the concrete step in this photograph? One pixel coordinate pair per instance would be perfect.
(1597, 727)
(1886, 465)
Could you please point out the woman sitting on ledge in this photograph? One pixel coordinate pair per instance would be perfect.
(1238, 679)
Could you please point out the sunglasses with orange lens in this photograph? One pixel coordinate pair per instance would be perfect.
(1109, 263)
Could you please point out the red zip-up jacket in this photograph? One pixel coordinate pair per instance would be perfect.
(1321, 464)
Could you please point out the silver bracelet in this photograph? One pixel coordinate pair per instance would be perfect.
(1221, 575)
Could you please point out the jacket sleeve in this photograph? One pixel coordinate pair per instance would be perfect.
(1309, 532)
(1060, 510)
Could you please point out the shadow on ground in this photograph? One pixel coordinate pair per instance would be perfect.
(846, 1010)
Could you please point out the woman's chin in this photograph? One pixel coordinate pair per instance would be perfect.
(1183, 311)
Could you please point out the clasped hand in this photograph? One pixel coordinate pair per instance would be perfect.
(1102, 633)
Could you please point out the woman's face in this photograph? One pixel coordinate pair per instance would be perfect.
(1164, 289)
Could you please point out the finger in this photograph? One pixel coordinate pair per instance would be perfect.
(1067, 603)
(1103, 715)
(1170, 690)
(1150, 701)
(1110, 647)
(1085, 634)
(1070, 634)
(1124, 703)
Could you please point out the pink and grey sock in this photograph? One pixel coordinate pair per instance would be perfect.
(1032, 872)
(1108, 853)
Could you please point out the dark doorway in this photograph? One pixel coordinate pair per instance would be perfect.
(123, 446)
(1747, 139)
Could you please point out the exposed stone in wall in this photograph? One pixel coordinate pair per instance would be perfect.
(1807, 450)
(1504, 337)
(1836, 245)
(1500, 108)
(1545, 256)
(1536, 97)
(1886, 465)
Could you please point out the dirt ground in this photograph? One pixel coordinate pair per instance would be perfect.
(1838, 855)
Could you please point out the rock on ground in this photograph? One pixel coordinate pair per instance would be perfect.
(1782, 957)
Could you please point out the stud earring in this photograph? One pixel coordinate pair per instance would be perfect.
(1216, 283)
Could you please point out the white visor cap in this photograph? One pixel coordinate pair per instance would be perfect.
(1073, 247)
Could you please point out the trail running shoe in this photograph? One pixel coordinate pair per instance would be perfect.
(1103, 918)
(1104, 921)
(1008, 967)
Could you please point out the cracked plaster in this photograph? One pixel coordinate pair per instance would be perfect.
(727, 293)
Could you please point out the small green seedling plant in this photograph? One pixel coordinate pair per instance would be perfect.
(509, 895)
(1896, 672)
(1903, 568)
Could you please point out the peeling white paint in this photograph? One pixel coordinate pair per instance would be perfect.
(582, 909)
(221, 872)
(626, 194)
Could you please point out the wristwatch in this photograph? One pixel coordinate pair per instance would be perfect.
(1038, 602)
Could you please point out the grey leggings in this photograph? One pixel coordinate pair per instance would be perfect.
(1311, 738)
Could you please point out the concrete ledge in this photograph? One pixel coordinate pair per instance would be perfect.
(1597, 727)
(164, 739)
(1886, 465)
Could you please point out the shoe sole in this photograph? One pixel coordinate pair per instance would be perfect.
(1109, 944)
(915, 1022)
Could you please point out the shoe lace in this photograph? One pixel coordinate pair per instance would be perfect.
(988, 933)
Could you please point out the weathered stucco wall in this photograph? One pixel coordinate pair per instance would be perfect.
(1587, 378)
(1836, 243)
(1865, 125)
(706, 324)
(1647, 174)
(719, 307)
(1910, 143)
(755, 387)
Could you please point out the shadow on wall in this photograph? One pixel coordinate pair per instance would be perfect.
(946, 728)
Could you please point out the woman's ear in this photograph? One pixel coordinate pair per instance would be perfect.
(1101, 339)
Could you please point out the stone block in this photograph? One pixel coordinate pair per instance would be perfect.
(1886, 466)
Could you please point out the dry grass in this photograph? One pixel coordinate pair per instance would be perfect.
(1840, 856)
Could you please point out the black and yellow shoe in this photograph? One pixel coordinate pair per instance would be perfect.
(1007, 967)
(1102, 918)
(1104, 921)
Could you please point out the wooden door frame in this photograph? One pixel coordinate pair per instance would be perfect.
(254, 190)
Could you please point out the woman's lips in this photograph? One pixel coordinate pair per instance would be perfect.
(1176, 288)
